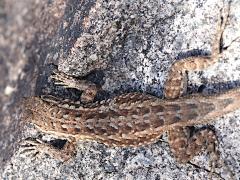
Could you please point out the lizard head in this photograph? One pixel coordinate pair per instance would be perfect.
(29, 106)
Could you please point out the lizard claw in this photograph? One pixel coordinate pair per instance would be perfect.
(38, 148)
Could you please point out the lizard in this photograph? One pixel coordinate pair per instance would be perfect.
(137, 119)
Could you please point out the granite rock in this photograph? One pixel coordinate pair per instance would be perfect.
(132, 43)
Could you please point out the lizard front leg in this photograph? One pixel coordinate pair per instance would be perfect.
(39, 147)
(89, 90)
(184, 146)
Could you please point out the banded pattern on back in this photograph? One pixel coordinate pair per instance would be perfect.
(118, 120)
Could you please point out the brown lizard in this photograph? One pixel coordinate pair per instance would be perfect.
(137, 119)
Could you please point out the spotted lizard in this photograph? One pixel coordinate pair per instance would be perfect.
(137, 119)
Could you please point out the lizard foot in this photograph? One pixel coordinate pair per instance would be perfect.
(37, 148)
(89, 89)
(185, 146)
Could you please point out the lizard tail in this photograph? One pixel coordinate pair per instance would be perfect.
(225, 103)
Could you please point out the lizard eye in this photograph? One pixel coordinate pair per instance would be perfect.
(27, 115)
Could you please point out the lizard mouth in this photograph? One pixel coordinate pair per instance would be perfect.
(27, 113)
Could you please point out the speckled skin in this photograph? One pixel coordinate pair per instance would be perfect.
(137, 119)
(132, 119)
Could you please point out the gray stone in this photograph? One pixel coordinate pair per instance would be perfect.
(133, 43)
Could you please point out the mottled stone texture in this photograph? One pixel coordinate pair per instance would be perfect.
(133, 43)
(26, 31)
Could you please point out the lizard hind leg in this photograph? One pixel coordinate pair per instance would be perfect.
(175, 83)
(185, 146)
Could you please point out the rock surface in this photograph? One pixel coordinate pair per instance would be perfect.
(132, 43)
